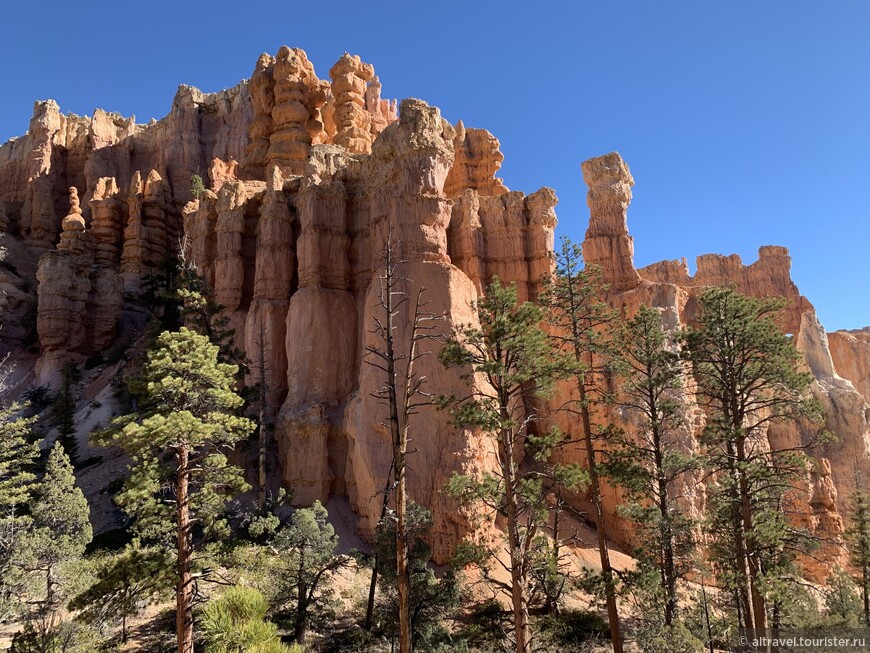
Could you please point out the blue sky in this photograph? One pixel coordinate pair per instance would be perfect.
(744, 123)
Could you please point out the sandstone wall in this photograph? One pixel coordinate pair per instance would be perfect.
(306, 180)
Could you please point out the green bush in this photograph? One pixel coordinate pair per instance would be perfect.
(236, 623)
(668, 639)
(574, 627)
(485, 624)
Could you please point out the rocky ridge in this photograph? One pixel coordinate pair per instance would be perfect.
(306, 179)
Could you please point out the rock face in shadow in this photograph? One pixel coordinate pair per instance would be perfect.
(306, 180)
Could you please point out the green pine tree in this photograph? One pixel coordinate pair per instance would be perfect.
(179, 441)
(842, 602)
(18, 454)
(124, 583)
(858, 537)
(648, 465)
(308, 547)
(200, 313)
(512, 352)
(197, 187)
(430, 599)
(580, 322)
(748, 376)
(60, 532)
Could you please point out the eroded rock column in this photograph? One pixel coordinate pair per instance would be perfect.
(607, 243)
(106, 220)
(299, 95)
(353, 123)
(262, 90)
(265, 329)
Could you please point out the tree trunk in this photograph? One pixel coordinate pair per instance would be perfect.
(373, 583)
(184, 588)
(301, 603)
(398, 433)
(603, 553)
(519, 599)
(753, 564)
(403, 580)
(865, 585)
(745, 613)
(301, 626)
(262, 442)
(707, 616)
(669, 574)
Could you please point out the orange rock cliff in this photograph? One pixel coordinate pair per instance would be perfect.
(305, 179)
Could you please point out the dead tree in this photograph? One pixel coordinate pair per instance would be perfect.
(403, 395)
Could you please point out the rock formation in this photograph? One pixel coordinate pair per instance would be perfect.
(352, 122)
(478, 159)
(274, 270)
(669, 287)
(299, 95)
(262, 90)
(291, 241)
(850, 351)
(107, 219)
(78, 302)
(607, 243)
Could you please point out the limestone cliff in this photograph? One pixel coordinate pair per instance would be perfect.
(306, 179)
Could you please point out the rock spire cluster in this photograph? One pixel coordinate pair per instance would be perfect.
(305, 180)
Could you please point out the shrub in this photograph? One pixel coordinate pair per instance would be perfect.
(236, 623)
(574, 627)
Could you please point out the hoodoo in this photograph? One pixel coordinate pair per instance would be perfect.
(306, 180)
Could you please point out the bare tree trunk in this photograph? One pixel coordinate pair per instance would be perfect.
(666, 532)
(301, 624)
(404, 585)
(519, 599)
(398, 435)
(552, 603)
(401, 404)
(707, 616)
(184, 587)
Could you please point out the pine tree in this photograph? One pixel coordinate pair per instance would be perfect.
(858, 537)
(60, 532)
(842, 603)
(18, 454)
(124, 583)
(178, 442)
(200, 313)
(579, 320)
(197, 187)
(511, 351)
(748, 377)
(308, 551)
(646, 463)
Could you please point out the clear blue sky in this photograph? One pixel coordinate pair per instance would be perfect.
(745, 123)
